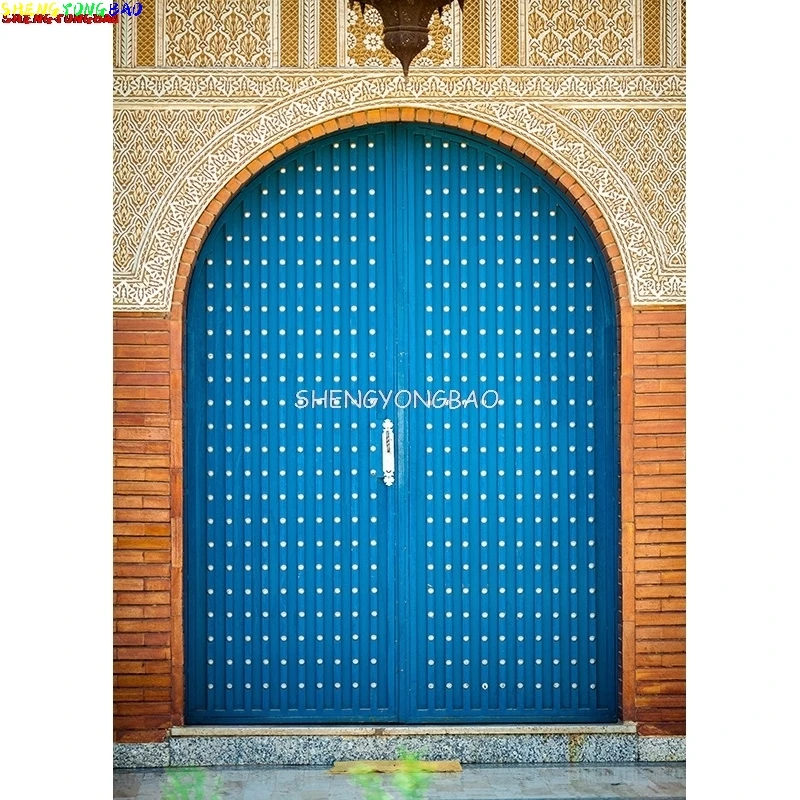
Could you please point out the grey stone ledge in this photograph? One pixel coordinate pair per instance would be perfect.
(399, 730)
(324, 750)
(138, 755)
(661, 748)
(480, 745)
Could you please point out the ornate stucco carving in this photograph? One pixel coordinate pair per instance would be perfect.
(649, 145)
(152, 146)
(215, 33)
(650, 87)
(183, 155)
(364, 40)
(579, 32)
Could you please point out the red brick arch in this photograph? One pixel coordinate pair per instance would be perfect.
(597, 223)
(522, 148)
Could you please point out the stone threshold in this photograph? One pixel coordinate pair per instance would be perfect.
(402, 730)
(218, 746)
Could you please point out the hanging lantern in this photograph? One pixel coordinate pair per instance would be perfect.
(405, 25)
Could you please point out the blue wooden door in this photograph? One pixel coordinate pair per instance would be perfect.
(412, 278)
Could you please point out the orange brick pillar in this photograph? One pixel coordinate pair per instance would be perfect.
(142, 517)
(659, 497)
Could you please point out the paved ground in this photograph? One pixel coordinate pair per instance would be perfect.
(564, 781)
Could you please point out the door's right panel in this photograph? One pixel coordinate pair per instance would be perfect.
(513, 513)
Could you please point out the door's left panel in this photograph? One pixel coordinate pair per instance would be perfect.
(290, 547)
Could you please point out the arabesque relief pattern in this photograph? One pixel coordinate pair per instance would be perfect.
(596, 88)
(151, 146)
(161, 197)
(182, 130)
(365, 40)
(579, 32)
(649, 144)
(216, 33)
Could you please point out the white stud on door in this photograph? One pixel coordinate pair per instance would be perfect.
(387, 448)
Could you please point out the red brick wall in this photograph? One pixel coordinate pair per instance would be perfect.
(143, 684)
(148, 687)
(659, 494)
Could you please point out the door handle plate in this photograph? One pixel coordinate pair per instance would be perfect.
(387, 449)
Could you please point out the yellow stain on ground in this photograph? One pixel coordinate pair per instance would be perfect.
(345, 767)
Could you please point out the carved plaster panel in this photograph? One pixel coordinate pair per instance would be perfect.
(490, 33)
(215, 33)
(184, 156)
(579, 32)
(364, 39)
(125, 42)
(151, 146)
(649, 144)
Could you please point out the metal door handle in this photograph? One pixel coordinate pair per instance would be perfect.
(387, 448)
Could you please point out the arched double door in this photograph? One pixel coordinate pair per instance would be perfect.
(401, 443)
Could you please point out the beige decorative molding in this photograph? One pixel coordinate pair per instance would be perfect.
(125, 42)
(457, 26)
(673, 29)
(638, 32)
(171, 161)
(588, 86)
(490, 33)
(161, 13)
(309, 33)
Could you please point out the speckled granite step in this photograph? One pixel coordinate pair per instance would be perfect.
(219, 746)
